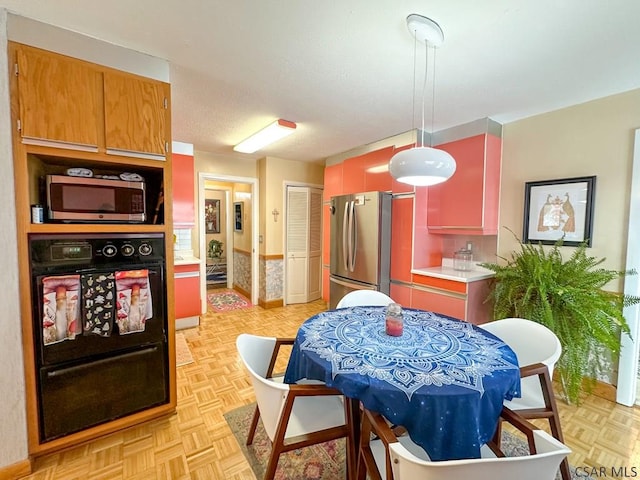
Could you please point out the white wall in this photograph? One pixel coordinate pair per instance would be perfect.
(13, 426)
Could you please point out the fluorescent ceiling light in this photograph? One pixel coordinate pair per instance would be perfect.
(271, 133)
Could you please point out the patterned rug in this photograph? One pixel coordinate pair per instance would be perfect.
(183, 354)
(226, 300)
(325, 461)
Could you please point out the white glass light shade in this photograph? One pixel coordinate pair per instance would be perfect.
(422, 166)
(271, 133)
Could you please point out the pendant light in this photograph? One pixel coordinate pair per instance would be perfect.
(421, 165)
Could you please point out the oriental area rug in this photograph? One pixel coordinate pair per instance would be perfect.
(325, 461)
(226, 300)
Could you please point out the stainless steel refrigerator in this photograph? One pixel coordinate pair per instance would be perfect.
(360, 248)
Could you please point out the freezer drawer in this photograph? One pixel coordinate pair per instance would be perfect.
(339, 287)
(81, 395)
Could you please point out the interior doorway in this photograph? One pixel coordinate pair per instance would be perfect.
(241, 238)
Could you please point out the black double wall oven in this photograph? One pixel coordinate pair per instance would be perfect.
(100, 328)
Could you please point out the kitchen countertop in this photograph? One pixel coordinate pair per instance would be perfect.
(447, 272)
(185, 258)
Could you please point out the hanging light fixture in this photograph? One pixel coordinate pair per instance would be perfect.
(422, 165)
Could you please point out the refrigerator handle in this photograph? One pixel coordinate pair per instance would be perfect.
(353, 237)
(345, 220)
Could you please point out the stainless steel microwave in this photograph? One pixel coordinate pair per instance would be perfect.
(83, 199)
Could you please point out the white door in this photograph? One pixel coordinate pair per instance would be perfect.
(304, 244)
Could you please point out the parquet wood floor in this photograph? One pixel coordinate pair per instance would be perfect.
(197, 444)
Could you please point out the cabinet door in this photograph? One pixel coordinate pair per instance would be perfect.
(59, 100)
(135, 116)
(183, 189)
(459, 203)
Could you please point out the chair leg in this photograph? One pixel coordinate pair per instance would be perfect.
(254, 425)
(270, 472)
(554, 419)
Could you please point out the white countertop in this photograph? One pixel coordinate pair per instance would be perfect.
(185, 257)
(446, 271)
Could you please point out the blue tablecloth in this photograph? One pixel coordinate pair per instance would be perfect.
(444, 380)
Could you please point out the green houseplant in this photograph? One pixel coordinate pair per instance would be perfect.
(215, 249)
(568, 298)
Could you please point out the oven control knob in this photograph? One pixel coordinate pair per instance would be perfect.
(127, 250)
(109, 251)
(145, 249)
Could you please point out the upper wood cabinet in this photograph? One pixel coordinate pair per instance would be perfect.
(134, 115)
(59, 98)
(68, 103)
(467, 203)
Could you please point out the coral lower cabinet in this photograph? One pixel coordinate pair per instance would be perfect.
(187, 295)
(462, 300)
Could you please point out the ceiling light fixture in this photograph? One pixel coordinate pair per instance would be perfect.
(422, 165)
(269, 134)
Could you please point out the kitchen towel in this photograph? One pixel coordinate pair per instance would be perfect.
(134, 306)
(60, 308)
(98, 292)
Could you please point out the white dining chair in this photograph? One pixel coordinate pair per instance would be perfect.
(538, 349)
(358, 298)
(293, 416)
(385, 456)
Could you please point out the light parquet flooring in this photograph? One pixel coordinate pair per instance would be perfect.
(197, 444)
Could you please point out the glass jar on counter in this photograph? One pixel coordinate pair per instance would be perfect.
(394, 324)
(463, 260)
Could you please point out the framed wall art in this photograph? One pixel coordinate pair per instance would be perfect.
(555, 209)
(238, 212)
(212, 215)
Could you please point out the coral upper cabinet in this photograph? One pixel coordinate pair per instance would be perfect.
(467, 203)
(72, 104)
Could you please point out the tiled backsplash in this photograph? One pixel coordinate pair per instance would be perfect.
(183, 239)
(483, 247)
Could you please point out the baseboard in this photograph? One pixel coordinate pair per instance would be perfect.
(270, 303)
(599, 389)
(242, 291)
(604, 390)
(187, 322)
(16, 470)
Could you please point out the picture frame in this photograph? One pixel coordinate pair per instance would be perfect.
(559, 209)
(212, 215)
(238, 214)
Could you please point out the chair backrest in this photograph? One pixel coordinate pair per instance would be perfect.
(540, 466)
(531, 341)
(255, 352)
(358, 298)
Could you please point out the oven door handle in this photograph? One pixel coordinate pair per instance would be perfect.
(64, 371)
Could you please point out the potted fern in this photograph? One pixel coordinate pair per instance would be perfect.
(568, 298)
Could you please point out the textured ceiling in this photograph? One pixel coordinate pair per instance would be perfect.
(343, 70)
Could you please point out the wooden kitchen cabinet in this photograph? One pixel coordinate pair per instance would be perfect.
(69, 103)
(134, 115)
(467, 203)
(65, 113)
(59, 99)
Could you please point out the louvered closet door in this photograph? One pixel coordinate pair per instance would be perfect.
(304, 244)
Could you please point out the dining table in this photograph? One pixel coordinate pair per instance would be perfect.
(444, 380)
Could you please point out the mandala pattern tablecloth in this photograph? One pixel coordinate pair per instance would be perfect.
(444, 380)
